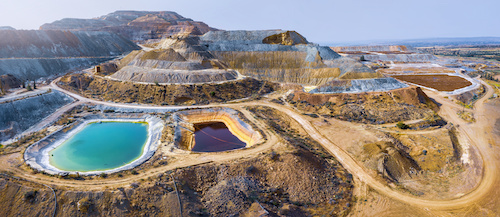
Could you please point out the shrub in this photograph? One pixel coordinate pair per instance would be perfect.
(134, 172)
(84, 205)
(30, 196)
(402, 125)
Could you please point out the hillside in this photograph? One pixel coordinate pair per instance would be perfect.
(31, 54)
(134, 25)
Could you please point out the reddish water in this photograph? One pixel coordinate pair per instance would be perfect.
(214, 137)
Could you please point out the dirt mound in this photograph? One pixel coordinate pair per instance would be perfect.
(374, 107)
(391, 162)
(182, 61)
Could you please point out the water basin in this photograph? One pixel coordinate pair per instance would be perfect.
(101, 146)
(215, 137)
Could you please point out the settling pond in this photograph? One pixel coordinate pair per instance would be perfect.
(101, 146)
(214, 137)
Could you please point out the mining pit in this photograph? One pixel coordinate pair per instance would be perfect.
(213, 130)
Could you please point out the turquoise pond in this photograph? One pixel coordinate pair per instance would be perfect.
(101, 146)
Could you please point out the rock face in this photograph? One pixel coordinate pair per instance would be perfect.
(134, 25)
(36, 53)
(285, 38)
(17, 116)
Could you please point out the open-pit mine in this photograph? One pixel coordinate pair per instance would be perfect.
(140, 113)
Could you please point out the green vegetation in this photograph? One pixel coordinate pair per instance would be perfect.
(402, 125)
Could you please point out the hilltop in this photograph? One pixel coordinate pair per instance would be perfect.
(134, 25)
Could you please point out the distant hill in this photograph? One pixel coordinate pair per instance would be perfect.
(428, 42)
(134, 25)
(7, 28)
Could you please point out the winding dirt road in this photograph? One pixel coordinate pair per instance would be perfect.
(474, 132)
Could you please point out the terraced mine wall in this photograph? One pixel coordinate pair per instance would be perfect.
(282, 56)
(32, 68)
(172, 94)
(31, 54)
(185, 120)
(18, 115)
(396, 53)
(360, 86)
(374, 48)
(405, 58)
(37, 155)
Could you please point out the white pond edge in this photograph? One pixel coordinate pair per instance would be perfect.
(39, 160)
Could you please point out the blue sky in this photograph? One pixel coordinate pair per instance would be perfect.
(321, 21)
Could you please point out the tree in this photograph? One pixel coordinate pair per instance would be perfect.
(29, 87)
(34, 85)
(362, 58)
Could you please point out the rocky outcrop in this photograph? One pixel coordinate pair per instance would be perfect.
(18, 115)
(285, 38)
(134, 25)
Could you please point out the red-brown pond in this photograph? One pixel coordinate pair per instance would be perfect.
(215, 137)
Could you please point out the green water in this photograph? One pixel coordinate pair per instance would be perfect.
(101, 146)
